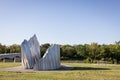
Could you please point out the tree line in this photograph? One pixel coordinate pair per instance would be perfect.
(88, 52)
(15, 48)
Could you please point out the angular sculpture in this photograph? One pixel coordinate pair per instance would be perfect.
(31, 58)
(51, 59)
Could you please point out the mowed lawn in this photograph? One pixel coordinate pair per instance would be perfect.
(81, 71)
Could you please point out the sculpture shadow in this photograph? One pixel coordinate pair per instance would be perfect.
(81, 68)
(89, 68)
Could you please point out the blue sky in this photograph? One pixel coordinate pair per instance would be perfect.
(60, 21)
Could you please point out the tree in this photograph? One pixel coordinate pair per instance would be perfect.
(94, 51)
(43, 48)
(2, 49)
(68, 52)
(104, 51)
(15, 48)
(80, 51)
(115, 50)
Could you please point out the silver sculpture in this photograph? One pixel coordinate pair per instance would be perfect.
(31, 58)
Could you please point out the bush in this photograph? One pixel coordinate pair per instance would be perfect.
(88, 60)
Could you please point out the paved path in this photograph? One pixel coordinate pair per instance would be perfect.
(20, 69)
(16, 69)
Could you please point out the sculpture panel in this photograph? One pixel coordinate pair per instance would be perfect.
(31, 57)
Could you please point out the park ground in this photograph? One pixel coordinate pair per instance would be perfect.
(81, 71)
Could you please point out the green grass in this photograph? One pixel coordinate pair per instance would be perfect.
(81, 72)
(8, 64)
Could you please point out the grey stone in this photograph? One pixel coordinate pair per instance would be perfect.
(27, 60)
(31, 56)
(51, 59)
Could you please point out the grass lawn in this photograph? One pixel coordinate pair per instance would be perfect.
(81, 71)
(8, 64)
